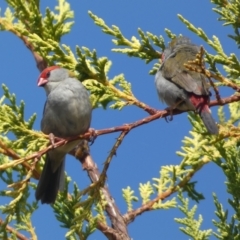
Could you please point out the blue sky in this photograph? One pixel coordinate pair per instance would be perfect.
(146, 148)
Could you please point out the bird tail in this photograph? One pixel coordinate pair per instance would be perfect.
(50, 181)
(208, 120)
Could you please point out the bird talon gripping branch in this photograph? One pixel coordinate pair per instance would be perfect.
(92, 136)
(52, 140)
(170, 117)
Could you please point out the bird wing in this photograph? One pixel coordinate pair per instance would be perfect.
(173, 69)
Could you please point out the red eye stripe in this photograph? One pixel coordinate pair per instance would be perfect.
(45, 72)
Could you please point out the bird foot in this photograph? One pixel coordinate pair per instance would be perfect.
(170, 110)
(92, 136)
(52, 139)
(170, 117)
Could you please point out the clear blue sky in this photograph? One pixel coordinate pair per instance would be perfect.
(146, 148)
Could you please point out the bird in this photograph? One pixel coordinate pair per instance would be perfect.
(67, 113)
(181, 88)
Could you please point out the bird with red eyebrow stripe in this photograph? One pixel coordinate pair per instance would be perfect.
(67, 113)
(181, 88)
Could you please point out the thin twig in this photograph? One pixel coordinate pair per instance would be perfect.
(113, 151)
(10, 153)
(14, 231)
(217, 94)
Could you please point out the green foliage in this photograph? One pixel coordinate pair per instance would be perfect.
(225, 230)
(79, 219)
(230, 165)
(190, 189)
(45, 35)
(23, 141)
(76, 212)
(229, 14)
(170, 34)
(230, 63)
(12, 121)
(191, 225)
(51, 27)
(146, 191)
(141, 48)
(128, 195)
(198, 149)
(19, 210)
(103, 90)
(134, 48)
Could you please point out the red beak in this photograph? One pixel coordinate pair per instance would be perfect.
(42, 82)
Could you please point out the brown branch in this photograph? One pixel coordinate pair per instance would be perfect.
(13, 231)
(109, 232)
(224, 101)
(59, 142)
(119, 230)
(88, 164)
(217, 94)
(159, 114)
(113, 151)
(122, 128)
(131, 215)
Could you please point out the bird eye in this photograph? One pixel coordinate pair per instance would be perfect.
(48, 74)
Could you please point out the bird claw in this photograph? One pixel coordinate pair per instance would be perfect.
(170, 110)
(170, 117)
(92, 136)
(52, 139)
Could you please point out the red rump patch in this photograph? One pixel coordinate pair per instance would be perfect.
(200, 102)
(45, 72)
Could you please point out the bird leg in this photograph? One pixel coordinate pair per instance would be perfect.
(170, 110)
(170, 117)
(93, 135)
(52, 139)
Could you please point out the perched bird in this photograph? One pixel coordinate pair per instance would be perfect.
(67, 113)
(181, 88)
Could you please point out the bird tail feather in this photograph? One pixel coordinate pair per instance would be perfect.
(50, 182)
(208, 120)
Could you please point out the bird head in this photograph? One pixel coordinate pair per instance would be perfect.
(51, 76)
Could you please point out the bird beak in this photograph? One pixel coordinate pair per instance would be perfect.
(42, 82)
